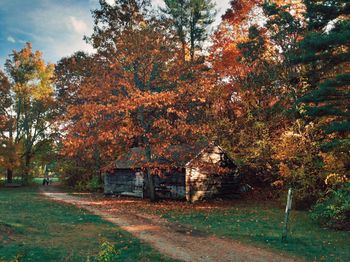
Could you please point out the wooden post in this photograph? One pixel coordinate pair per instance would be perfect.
(286, 218)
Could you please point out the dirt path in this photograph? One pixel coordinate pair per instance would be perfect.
(170, 239)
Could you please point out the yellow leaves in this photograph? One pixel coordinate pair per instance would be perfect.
(32, 76)
(336, 179)
(278, 183)
(42, 92)
(335, 163)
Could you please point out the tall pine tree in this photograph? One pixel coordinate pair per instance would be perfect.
(191, 19)
(326, 50)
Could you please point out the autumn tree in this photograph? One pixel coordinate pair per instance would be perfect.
(258, 82)
(83, 79)
(32, 105)
(240, 57)
(140, 96)
(110, 21)
(8, 150)
(70, 73)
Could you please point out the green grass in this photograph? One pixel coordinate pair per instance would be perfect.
(34, 180)
(36, 229)
(39, 180)
(261, 225)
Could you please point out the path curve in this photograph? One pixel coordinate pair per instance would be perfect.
(170, 239)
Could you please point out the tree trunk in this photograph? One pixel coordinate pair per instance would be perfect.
(9, 175)
(192, 51)
(148, 154)
(192, 38)
(183, 43)
(150, 178)
(151, 187)
(25, 177)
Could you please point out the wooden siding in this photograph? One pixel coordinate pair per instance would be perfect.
(203, 184)
(200, 186)
(171, 185)
(130, 183)
(124, 182)
(197, 181)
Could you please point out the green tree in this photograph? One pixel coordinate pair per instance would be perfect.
(33, 103)
(326, 48)
(191, 20)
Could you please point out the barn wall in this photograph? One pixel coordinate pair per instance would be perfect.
(200, 185)
(168, 186)
(171, 185)
(124, 182)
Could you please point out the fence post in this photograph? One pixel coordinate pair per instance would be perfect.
(286, 218)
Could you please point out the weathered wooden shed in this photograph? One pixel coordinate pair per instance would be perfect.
(197, 175)
(211, 174)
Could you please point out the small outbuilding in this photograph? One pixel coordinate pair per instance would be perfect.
(196, 175)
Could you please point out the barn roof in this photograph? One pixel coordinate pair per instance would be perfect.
(212, 160)
(175, 155)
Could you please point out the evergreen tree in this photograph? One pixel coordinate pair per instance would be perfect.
(191, 19)
(327, 49)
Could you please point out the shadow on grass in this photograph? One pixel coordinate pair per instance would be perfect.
(37, 229)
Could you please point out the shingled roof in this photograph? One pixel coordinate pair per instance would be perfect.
(175, 155)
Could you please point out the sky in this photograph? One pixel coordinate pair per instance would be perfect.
(55, 27)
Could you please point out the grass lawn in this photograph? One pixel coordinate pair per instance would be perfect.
(37, 229)
(261, 224)
(35, 180)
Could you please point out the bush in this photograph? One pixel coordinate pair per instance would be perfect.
(92, 185)
(334, 209)
(107, 252)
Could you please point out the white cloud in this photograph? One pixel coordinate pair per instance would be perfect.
(58, 30)
(110, 2)
(79, 26)
(11, 39)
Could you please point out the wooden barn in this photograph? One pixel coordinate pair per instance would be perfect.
(201, 174)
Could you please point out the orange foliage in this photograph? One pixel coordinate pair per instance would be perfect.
(138, 100)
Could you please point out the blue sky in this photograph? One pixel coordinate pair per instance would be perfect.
(56, 27)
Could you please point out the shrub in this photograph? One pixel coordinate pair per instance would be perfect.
(92, 185)
(334, 209)
(299, 164)
(107, 252)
